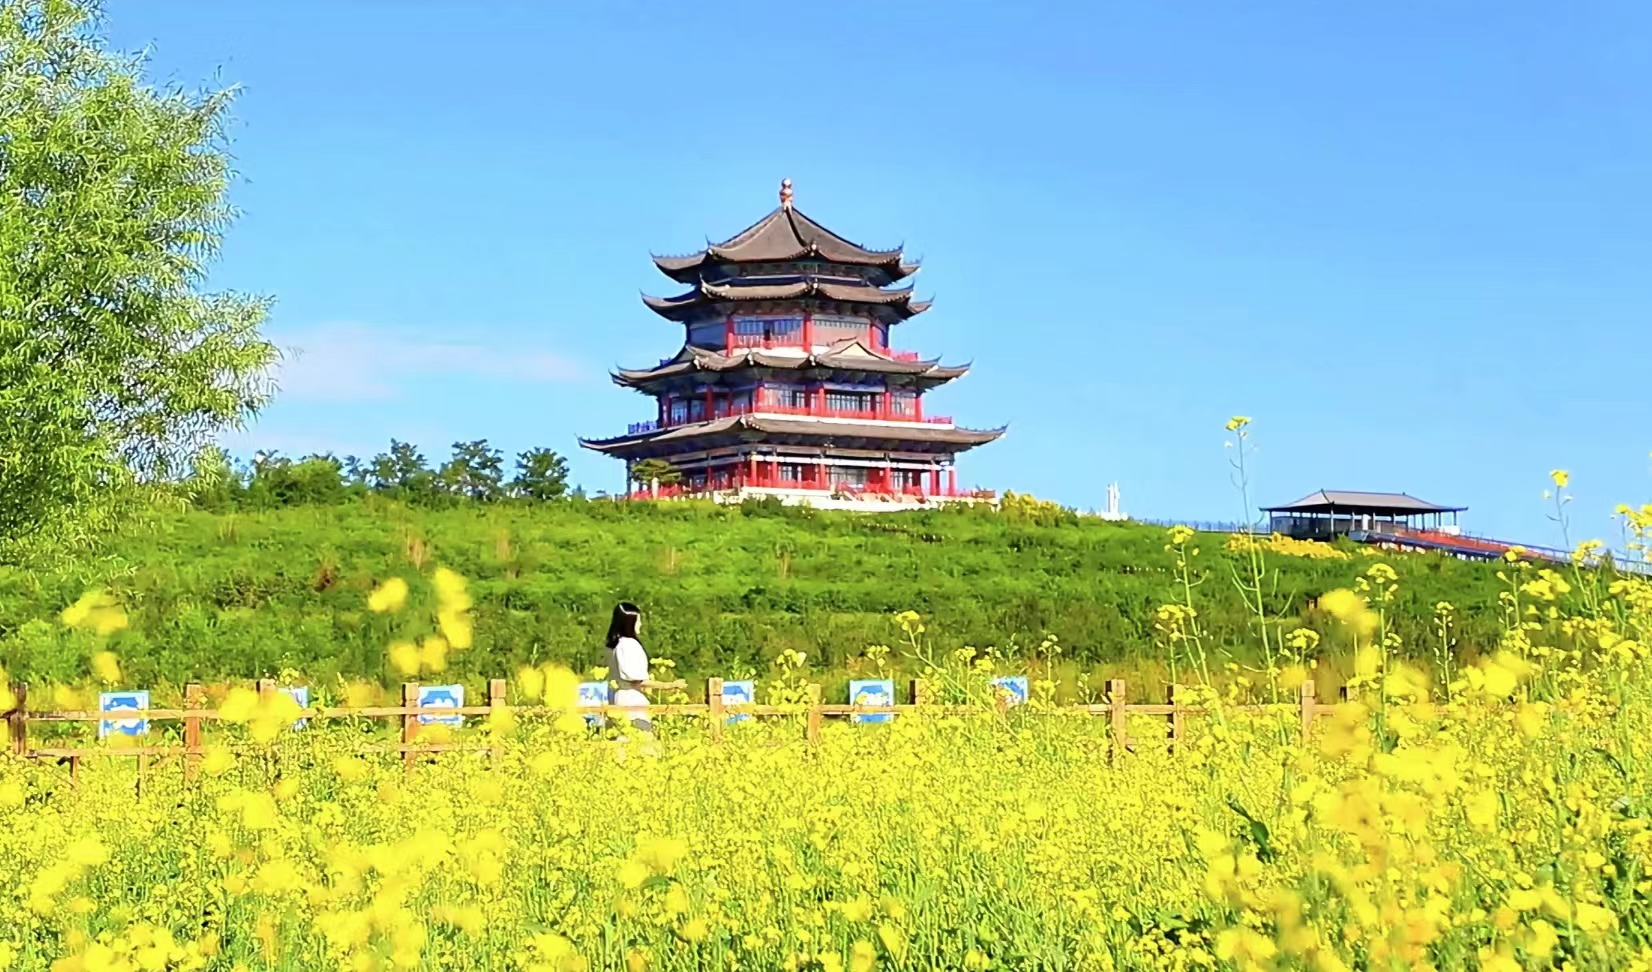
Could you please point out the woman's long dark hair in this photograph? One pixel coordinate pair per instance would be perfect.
(624, 622)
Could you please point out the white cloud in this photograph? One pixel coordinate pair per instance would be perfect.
(362, 362)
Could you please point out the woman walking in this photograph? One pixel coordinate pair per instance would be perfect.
(628, 667)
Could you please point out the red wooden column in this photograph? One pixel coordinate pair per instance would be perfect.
(728, 334)
(819, 401)
(707, 415)
(917, 406)
(808, 331)
(952, 482)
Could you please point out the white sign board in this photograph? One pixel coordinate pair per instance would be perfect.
(116, 701)
(441, 697)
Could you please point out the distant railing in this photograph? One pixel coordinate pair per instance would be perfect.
(1203, 526)
(1471, 544)
(1475, 544)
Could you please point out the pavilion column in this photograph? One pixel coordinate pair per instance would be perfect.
(728, 334)
(917, 406)
(952, 481)
(751, 460)
(808, 330)
(819, 400)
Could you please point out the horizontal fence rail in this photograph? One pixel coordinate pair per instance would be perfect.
(715, 710)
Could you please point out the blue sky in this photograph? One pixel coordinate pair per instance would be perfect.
(1410, 239)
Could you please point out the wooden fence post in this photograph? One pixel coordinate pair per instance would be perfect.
(1310, 708)
(1178, 716)
(920, 691)
(193, 699)
(410, 723)
(714, 707)
(1349, 693)
(812, 729)
(497, 687)
(17, 720)
(1115, 700)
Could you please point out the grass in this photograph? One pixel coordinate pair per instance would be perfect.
(725, 590)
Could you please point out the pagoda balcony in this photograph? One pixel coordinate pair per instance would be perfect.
(765, 342)
(807, 411)
(731, 484)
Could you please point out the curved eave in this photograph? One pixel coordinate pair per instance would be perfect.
(683, 306)
(693, 360)
(689, 269)
(757, 428)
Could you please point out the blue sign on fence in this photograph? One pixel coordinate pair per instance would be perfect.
(115, 702)
(593, 695)
(1012, 688)
(301, 695)
(739, 693)
(872, 691)
(441, 697)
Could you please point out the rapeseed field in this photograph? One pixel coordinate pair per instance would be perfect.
(1496, 815)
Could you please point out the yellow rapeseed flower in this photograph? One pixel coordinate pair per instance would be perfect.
(388, 597)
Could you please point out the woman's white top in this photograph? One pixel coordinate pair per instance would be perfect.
(627, 670)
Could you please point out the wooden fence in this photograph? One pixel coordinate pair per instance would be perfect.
(814, 712)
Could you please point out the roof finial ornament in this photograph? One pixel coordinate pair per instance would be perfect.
(785, 193)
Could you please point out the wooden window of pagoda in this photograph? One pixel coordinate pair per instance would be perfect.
(830, 330)
(851, 402)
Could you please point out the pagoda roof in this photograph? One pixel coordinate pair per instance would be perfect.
(783, 235)
(1351, 501)
(758, 428)
(705, 295)
(847, 355)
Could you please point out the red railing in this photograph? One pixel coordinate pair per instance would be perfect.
(720, 484)
(721, 411)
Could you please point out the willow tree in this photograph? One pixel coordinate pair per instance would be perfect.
(117, 365)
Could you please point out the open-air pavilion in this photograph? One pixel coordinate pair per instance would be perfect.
(1331, 513)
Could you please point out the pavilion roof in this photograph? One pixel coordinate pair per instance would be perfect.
(846, 355)
(1352, 501)
(705, 295)
(785, 234)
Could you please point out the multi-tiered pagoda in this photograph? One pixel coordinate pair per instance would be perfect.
(787, 384)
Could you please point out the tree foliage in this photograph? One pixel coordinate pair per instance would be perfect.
(651, 471)
(476, 471)
(541, 475)
(115, 364)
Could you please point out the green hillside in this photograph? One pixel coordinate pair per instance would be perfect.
(724, 589)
